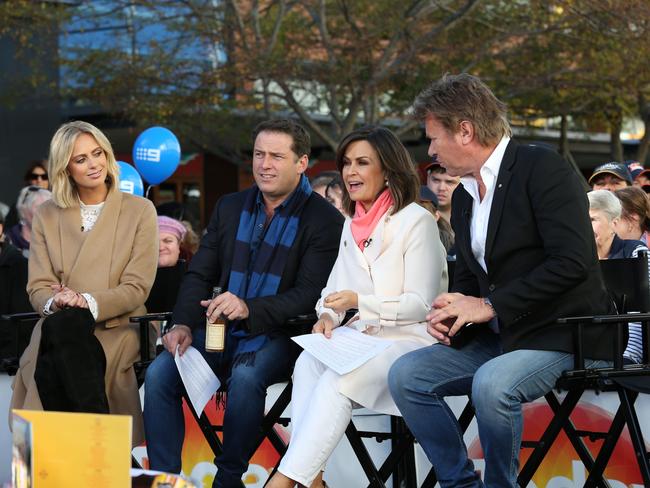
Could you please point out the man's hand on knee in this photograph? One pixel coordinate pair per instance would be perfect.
(453, 311)
(181, 336)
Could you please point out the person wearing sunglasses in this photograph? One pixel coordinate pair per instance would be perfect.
(36, 175)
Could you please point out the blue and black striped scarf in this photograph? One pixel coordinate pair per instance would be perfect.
(261, 277)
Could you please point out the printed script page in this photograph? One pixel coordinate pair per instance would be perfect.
(345, 351)
(198, 378)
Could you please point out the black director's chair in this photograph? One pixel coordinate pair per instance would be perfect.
(627, 280)
(16, 332)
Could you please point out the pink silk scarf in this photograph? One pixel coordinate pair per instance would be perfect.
(364, 223)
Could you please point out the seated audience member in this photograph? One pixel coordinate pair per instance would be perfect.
(429, 200)
(610, 176)
(171, 233)
(642, 179)
(13, 277)
(29, 199)
(190, 243)
(398, 239)
(635, 168)
(321, 180)
(267, 248)
(334, 194)
(13, 297)
(91, 265)
(635, 218)
(35, 175)
(526, 257)
(605, 212)
(443, 185)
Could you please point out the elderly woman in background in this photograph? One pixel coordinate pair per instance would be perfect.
(390, 266)
(93, 254)
(28, 201)
(635, 218)
(171, 233)
(605, 212)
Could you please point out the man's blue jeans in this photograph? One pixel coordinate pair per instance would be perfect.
(163, 415)
(499, 383)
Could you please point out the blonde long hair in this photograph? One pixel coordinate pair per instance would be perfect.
(64, 190)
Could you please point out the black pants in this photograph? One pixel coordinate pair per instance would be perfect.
(71, 364)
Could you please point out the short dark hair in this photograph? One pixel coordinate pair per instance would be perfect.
(37, 163)
(301, 144)
(323, 178)
(454, 98)
(403, 180)
(436, 168)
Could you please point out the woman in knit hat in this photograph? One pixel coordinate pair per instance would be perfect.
(171, 233)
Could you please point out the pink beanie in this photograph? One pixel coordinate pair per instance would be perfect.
(171, 226)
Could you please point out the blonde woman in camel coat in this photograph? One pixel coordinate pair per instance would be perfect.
(108, 269)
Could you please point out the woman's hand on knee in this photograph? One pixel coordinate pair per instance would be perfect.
(324, 326)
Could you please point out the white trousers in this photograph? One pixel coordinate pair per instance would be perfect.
(319, 417)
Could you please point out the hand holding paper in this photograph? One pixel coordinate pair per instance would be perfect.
(199, 380)
(345, 351)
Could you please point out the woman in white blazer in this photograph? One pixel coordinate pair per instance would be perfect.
(391, 264)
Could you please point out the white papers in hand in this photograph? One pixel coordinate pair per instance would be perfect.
(198, 378)
(345, 351)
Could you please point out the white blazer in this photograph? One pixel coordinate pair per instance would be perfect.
(396, 277)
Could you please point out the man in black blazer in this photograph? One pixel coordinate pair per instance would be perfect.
(525, 256)
(280, 158)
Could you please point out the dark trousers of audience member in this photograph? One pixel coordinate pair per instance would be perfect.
(246, 393)
(71, 364)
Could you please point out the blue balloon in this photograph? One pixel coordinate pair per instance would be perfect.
(156, 154)
(130, 180)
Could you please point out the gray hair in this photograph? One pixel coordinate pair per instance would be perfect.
(606, 202)
(29, 199)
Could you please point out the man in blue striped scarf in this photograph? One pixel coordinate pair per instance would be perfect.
(272, 248)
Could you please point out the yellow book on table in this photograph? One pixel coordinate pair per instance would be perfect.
(57, 449)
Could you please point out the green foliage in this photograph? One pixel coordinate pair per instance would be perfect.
(214, 67)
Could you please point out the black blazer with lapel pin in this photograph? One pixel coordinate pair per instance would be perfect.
(540, 254)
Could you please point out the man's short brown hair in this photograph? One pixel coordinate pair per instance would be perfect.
(455, 98)
(301, 144)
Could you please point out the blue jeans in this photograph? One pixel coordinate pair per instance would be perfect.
(163, 415)
(498, 383)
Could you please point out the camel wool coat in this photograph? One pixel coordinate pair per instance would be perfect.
(396, 277)
(115, 262)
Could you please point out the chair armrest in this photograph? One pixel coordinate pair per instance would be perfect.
(618, 319)
(605, 319)
(144, 321)
(303, 320)
(625, 318)
(21, 317)
(150, 317)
